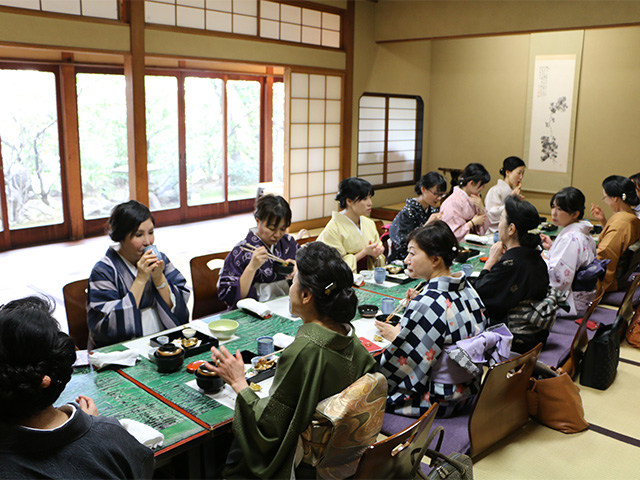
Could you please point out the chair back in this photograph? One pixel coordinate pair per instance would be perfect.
(205, 285)
(75, 305)
(302, 241)
(343, 426)
(501, 406)
(626, 309)
(397, 456)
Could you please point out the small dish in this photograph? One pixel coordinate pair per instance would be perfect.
(188, 332)
(223, 329)
(162, 339)
(367, 311)
(283, 269)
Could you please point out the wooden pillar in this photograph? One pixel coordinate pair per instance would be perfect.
(72, 178)
(134, 66)
(348, 31)
(266, 143)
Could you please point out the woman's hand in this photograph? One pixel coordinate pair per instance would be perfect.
(373, 250)
(258, 257)
(147, 264)
(495, 254)
(598, 214)
(516, 192)
(87, 405)
(546, 241)
(411, 294)
(295, 269)
(388, 331)
(477, 201)
(230, 368)
(479, 219)
(434, 217)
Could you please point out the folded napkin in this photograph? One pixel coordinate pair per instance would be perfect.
(254, 306)
(471, 237)
(146, 435)
(101, 359)
(358, 280)
(281, 340)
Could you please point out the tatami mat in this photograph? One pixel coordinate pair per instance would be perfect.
(537, 452)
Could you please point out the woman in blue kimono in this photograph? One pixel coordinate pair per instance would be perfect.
(133, 290)
(248, 274)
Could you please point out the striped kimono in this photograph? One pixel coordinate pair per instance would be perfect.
(112, 313)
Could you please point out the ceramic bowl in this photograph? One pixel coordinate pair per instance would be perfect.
(223, 329)
(367, 311)
(208, 381)
(169, 358)
(393, 320)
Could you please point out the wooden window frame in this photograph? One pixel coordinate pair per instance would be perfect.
(417, 167)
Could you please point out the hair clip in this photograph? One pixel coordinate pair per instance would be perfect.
(454, 249)
(624, 197)
(534, 231)
(329, 288)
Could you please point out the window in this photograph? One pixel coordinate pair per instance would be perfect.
(390, 139)
(89, 8)
(102, 127)
(30, 148)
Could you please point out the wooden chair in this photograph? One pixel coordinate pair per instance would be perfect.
(571, 364)
(302, 241)
(398, 456)
(75, 304)
(501, 406)
(204, 279)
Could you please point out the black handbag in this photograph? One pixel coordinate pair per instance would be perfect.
(600, 361)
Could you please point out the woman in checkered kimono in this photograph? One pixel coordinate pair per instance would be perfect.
(447, 310)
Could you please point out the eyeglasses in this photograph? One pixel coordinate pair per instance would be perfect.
(437, 194)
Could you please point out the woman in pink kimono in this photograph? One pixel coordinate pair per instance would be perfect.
(464, 210)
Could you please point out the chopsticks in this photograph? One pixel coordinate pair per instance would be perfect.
(269, 354)
(252, 248)
(400, 305)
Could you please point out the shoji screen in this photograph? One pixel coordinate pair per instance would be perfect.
(315, 113)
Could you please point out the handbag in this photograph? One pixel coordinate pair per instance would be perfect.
(633, 332)
(600, 361)
(554, 400)
(456, 466)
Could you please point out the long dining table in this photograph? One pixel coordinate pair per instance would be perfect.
(173, 404)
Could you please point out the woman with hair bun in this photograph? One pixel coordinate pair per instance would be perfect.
(463, 210)
(447, 310)
(512, 171)
(248, 274)
(325, 358)
(417, 212)
(572, 250)
(134, 290)
(351, 231)
(635, 178)
(621, 230)
(38, 440)
(515, 271)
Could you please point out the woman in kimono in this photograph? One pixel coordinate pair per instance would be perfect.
(134, 290)
(351, 231)
(621, 230)
(636, 181)
(417, 212)
(447, 310)
(463, 210)
(325, 358)
(515, 272)
(573, 248)
(512, 171)
(251, 274)
(37, 439)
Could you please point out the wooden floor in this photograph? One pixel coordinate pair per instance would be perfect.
(46, 269)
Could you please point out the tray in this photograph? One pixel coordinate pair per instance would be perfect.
(207, 341)
(464, 256)
(400, 278)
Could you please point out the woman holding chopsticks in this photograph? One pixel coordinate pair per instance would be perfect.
(447, 309)
(249, 270)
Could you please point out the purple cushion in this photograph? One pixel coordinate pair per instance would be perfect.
(604, 316)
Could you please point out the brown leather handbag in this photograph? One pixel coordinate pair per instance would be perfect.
(554, 400)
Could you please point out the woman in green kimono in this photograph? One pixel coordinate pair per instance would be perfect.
(325, 358)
